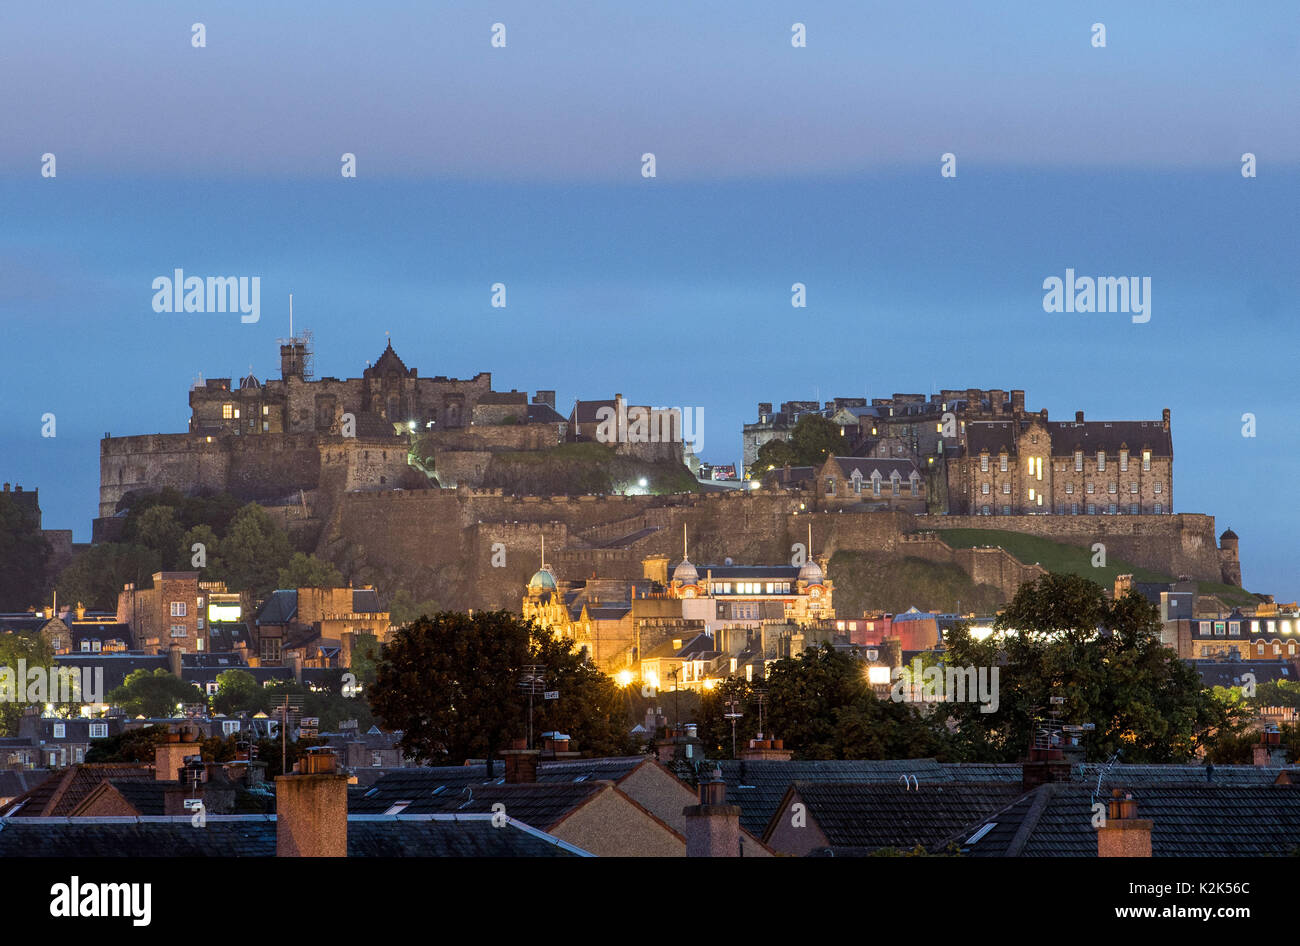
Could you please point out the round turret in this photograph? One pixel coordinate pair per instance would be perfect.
(685, 573)
(542, 580)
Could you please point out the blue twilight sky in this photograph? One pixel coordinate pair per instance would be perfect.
(775, 165)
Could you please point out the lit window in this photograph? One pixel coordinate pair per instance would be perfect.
(227, 411)
(265, 410)
(830, 486)
(1146, 459)
(236, 413)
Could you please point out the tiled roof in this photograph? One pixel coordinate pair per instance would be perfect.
(758, 786)
(503, 397)
(116, 667)
(280, 608)
(887, 466)
(1218, 820)
(254, 836)
(584, 412)
(858, 817)
(429, 785)
(540, 804)
(1068, 436)
(14, 782)
(1093, 435)
(64, 789)
(1227, 673)
(544, 414)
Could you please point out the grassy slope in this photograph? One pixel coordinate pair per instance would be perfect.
(881, 582)
(576, 468)
(1076, 560)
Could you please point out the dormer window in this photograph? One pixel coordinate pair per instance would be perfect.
(1146, 460)
(1123, 461)
(1101, 461)
(1078, 461)
(1003, 462)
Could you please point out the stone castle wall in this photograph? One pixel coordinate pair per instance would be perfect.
(438, 543)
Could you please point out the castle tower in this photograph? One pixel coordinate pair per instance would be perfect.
(1229, 560)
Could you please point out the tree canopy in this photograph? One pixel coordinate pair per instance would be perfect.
(813, 439)
(1061, 637)
(451, 683)
(24, 557)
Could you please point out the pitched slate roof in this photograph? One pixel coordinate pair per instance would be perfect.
(1093, 435)
(1055, 820)
(540, 804)
(280, 607)
(14, 782)
(544, 414)
(254, 836)
(758, 785)
(1227, 673)
(868, 465)
(585, 412)
(63, 790)
(503, 397)
(860, 818)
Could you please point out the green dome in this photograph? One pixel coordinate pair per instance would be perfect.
(542, 580)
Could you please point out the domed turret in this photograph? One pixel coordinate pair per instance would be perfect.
(685, 573)
(541, 581)
(811, 573)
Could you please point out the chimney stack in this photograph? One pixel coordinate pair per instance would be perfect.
(712, 826)
(172, 756)
(1078, 417)
(311, 808)
(1269, 752)
(1124, 834)
(521, 762)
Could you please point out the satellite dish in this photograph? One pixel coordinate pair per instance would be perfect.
(727, 561)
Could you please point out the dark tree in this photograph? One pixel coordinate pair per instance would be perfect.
(451, 684)
(24, 557)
